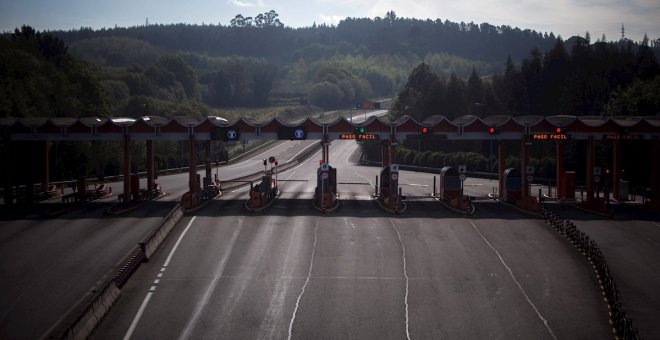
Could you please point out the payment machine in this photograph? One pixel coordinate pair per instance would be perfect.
(262, 193)
(451, 187)
(325, 195)
(512, 185)
(389, 187)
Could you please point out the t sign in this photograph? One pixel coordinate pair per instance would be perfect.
(232, 134)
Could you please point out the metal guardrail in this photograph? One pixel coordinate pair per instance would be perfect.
(129, 268)
(621, 324)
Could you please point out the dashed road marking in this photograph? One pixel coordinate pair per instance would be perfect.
(513, 277)
(145, 302)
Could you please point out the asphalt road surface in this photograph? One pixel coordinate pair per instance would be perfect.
(632, 250)
(49, 266)
(357, 273)
(291, 272)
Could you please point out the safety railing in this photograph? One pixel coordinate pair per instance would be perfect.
(622, 325)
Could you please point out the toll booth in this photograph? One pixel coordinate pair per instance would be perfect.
(389, 187)
(325, 194)
(83, 194)
(512, 191)
(264, 192)
(451, 190)
(211, 188)
(450, 184)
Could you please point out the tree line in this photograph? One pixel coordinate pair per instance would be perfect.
(264, 36)
(619, 78)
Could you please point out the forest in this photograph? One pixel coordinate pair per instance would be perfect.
(428, 66)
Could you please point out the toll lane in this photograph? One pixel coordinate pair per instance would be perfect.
(358, 272)
(49, 266)
(632, 250)
(177, 184)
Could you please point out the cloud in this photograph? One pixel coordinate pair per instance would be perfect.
(246, 4)
(332, 19)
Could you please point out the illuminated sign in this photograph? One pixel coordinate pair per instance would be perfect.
(226, 134)
(622, 137)
(550, 136)
(357, 136)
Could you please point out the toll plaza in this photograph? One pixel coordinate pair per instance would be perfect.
(525, 130)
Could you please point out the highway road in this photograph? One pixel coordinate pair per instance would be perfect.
(291, 272)
(49, 266)
(357, 273)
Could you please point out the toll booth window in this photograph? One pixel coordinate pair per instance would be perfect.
(514, 183)
(452, 183)
(385, 178)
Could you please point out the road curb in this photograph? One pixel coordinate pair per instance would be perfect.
(256, 210)
(462, 212)
(395, 212)
(326, 211)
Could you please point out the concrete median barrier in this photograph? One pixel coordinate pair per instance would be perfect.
(82, 322)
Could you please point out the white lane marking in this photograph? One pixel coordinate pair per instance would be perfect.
(370, 182)
(131, 329)
(303, 150)
(405, 274)
(244, 188)
(178, 241)
(309, 274)
(656, 224)
(513, 277)
(258, 157)
(291, 175)
(145, 302)
(156, 281)
(192, 321)
(351, 154)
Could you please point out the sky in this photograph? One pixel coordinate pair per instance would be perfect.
(562, 17)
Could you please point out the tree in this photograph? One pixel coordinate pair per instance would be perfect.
(238, 21)
(326, 95)
(390, 17)
(475, 93)
(419, 96)
(455, 100)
